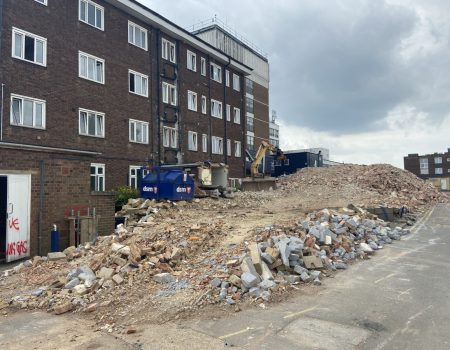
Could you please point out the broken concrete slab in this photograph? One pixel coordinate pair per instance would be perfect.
(312, 262)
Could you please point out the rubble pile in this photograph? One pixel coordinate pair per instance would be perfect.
(325, 241)
(379, 185)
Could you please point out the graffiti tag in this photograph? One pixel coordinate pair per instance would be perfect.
(14, 224)
(17, 248)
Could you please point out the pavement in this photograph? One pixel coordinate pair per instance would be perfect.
(400, 299)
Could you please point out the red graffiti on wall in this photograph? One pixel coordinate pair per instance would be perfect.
(14, 224)
(17, 248)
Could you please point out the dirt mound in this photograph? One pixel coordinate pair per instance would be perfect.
(379, 184)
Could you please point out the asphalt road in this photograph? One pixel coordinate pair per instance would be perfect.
(400, 299)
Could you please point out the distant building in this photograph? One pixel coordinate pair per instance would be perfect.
(274, 130)
(294, 161)
(432, 167)
(256, 94)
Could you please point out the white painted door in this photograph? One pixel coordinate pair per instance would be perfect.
(444, 184)
(18, 218)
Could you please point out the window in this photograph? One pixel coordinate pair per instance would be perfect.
(423, 163)
(227, 78)
(138, 83)
(97, 177)
(203, 66)
(43, 2)
(236, 82)
(228, 113)
(138, 131)
(216, 73)
(237, 115)
(250, 124)
(29, 47)
(168, 51)
(91, 67)
(137, 35)
(216, 109)
(438, 171)
(170, 136)
(237, 149)
(134, 173)
(192, 101)
(217, 145)
(228, 147)
(169, 94)
(192, 141)
(250, 142)
(205, 143)
(204, 104)
(91, 123)
(191, 61)
(249, 105)
(249, 86)
(437, 160)
(448, 160)
(286, 162)
(91, 13)
(27, 111)
(278, 162)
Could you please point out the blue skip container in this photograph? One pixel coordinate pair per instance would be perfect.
(174, 185)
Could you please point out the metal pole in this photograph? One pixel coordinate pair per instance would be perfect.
(1, 114)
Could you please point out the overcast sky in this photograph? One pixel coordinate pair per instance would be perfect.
(368, 79)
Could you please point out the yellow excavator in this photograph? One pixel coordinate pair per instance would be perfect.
(262, 151)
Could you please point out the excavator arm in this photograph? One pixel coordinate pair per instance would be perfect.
(260, 154)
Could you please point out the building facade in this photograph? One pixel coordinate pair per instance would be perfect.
(219, 35)
(432, 167)
(94, 90)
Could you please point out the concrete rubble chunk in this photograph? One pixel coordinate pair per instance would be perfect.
(216, 282)
(106, 273)
(73, 283)
(56, 256)
(256, 258)
(365, 248)
(80, 289)
(235, 280)
(312, 262)
(247, 266)
(283, 246)
(267, 258)
(164, 278)
(292, 279)
(267, 284)
(117, 279)
(266, 273)
(255, 292)
(249, 280)
(63, 308)
(305, 277)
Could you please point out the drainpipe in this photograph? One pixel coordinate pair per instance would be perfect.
(158, 89)
(224, 106)
(41, 203)
(3, 85)
(208, 103)
(1, 113)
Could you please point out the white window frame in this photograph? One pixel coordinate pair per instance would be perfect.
(97, 133)
(86, 20)
(191, 61)
(228, 147)
(169, 94)
(203, 66)
(216, 109)
(133, 136)
(237, 149)
(424, 171)
(98, 176)
(97, 60)
(192, 141)
(423, 163)
(228, 112)
(217, 145)
(170, 137)
(192, 101)
(204, 105)
(22, 48)
(236, 82)
(437, 160)
(35, 101)
(132, 27)
(216, 72)
(237, 115)
(43, 2)
(286, 162)
(144, 80)
(134, 176)
(168, 50)
(227, 78)
(205, 143)
(438, 171)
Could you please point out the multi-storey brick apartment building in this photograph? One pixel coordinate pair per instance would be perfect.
(432, 167)
(221, 36)
(93, 90)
